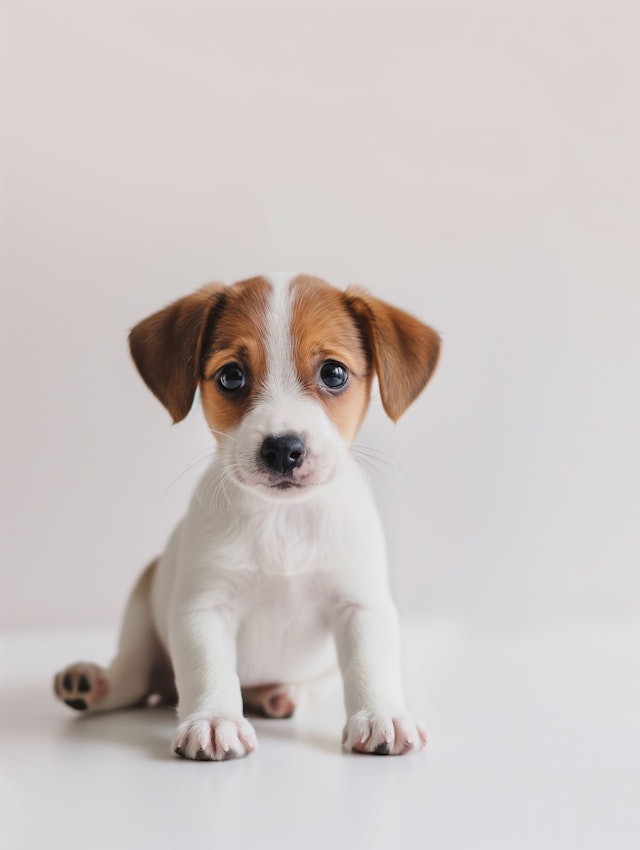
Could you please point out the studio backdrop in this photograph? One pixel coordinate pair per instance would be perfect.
(475, 166)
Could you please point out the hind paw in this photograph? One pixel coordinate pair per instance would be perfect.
(81, 685)
(277, 701)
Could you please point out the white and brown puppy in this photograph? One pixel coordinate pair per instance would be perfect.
(280, 559)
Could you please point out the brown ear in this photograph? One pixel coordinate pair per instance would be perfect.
(404, 351)
(167, 348)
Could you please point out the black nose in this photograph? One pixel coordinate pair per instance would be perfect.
(282, 454)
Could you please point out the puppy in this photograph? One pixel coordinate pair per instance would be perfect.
(280, 560)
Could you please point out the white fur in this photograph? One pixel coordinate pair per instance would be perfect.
(258, 587)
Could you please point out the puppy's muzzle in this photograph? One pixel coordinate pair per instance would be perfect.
(282, 454)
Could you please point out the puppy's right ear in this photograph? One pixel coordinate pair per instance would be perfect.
(167, 348)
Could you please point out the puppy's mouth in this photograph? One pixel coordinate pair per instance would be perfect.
(270, 485)
(286, 485)
(297, 483)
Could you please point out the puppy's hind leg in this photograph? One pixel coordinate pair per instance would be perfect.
(278, 701)
(127, 681)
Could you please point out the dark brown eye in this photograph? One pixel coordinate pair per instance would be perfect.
(333, 374)
(231, 378)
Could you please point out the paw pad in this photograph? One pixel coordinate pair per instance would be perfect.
(81, 685)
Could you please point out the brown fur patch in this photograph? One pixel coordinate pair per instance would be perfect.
(323, 328)
(235, 335)
(404, 350)
(193, 338)
(166, 348)
(143, 585)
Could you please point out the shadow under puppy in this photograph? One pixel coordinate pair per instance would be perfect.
(280, 559)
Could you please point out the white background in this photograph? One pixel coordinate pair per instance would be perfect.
(474, 163)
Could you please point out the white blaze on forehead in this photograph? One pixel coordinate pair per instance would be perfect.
(282, 383)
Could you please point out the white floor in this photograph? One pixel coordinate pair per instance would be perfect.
(535, 743)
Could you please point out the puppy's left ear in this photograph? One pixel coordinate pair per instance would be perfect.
(167, 348)
(404, 351)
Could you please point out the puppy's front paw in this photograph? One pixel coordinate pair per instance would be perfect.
(81, 685)
(215, 737)
(383, 735)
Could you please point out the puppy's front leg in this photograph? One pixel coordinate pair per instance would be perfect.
(203, 650)
(368, 645)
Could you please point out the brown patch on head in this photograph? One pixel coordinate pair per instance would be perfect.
(190, 340)
(235, 335)
(364, 334)
(324, 328)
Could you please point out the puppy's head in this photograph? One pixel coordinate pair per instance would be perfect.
(284, 367)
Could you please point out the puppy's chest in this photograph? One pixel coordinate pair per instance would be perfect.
(284, 631)
(292, 541)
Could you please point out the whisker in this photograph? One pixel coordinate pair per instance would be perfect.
(219, 490)
(377, 456)
(195, 461)
(374, 474)
(224, 434)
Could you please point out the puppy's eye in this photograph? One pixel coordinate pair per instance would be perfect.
(231, 377)
(333, 374)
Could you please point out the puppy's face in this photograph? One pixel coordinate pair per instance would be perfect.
(284, 367)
